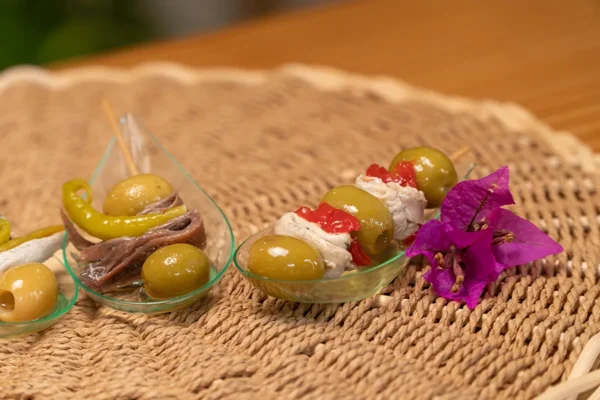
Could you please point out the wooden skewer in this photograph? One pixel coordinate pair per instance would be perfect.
(587, 358)
(585, 362)
(459, 153)
(572, 387)
(126, 153)
(595, 395)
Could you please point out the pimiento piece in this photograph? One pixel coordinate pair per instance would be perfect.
(330, 219)
(359, 257)
(403, 173)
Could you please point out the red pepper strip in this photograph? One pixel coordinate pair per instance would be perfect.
(359, 257)
(378, 171)
(334, 220)
(403, 174)
(330, 219)
(409, 240)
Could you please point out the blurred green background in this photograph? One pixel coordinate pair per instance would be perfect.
(45, 31)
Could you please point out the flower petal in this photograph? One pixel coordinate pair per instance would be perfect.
(442, 281)
(529, 243)
(481, 268)
(471, 201)
(480, 263)
(475, 289)
(462, 239)
(431, 238)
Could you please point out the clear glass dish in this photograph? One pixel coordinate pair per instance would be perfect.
(150, 156)
(67, 295)
(351, 286)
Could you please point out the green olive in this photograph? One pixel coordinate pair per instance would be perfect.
(133, 194)
(376, 223)
(434, 170)
(175, 270)
(27, 292)
(285, 257)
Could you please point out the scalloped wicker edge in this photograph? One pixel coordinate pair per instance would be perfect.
(325, 78)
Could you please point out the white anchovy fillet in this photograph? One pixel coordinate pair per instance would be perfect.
(332, 246)
(406, 204)
(36, 250)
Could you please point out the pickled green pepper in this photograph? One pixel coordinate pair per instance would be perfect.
(107, 227)
(4, 230)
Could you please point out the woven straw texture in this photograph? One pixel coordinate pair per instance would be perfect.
(263, 143)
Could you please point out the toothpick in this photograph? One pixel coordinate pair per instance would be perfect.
(124, 149)
(459, 153)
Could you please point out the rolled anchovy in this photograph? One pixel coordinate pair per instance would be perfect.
(406, 204)
(163, 205)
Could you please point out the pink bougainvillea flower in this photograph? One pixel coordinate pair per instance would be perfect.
(475, 239)
(462, 263)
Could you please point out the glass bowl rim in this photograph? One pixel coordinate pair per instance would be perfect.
(55, 314)
(172, 300)
(362, 272)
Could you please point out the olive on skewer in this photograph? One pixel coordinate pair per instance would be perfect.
(435, 172)
(376, 224)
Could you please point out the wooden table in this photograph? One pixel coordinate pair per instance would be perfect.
(543, 54)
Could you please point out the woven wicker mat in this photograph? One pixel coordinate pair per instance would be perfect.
(265, 142)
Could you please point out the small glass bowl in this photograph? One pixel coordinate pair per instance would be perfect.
(351, 286)
(149, 155)
(67, 295)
